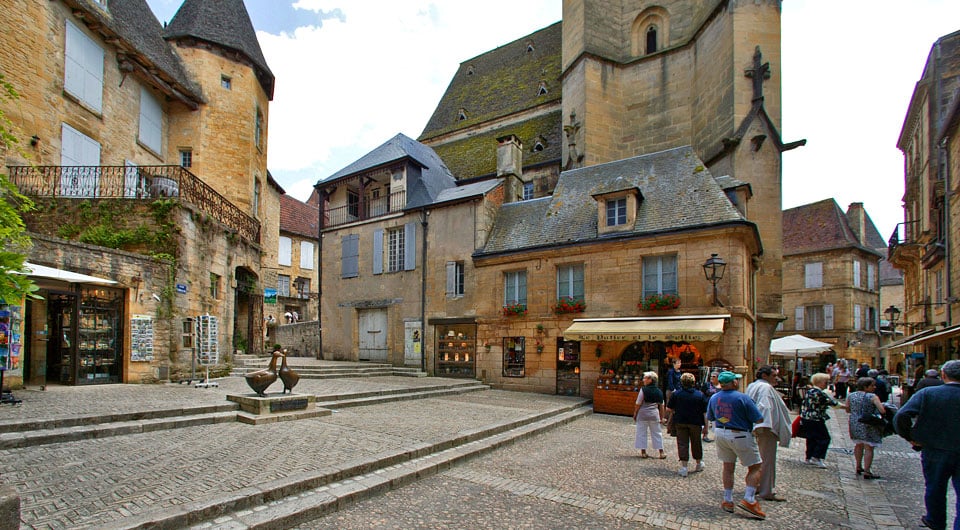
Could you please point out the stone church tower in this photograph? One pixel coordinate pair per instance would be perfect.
(639, 77)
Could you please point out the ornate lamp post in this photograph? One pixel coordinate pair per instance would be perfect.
(713, 269)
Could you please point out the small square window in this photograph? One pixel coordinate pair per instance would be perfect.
(186, 158)
(225, 82)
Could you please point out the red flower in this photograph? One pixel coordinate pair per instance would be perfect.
(660, 302)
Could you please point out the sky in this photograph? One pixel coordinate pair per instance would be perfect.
(351, 75)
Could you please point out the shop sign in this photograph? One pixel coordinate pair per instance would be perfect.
(269, 296)
(666, 337)
(916, 355)
(181, 288)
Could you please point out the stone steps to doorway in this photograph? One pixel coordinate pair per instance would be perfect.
(293, 500)
(339, 371)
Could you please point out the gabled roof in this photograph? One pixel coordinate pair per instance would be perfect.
(678, 193)
(501, 82)
(823, 226)
(225, 23)
(135, 25)
(421, 191)
(299, 218)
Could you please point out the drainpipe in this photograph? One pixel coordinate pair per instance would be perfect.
(423, 293)
(947, 248)
(755, 264)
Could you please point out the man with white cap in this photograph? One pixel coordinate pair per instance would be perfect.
(734, 415)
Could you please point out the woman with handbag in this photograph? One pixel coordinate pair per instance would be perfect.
(813, 418)
(866, 424)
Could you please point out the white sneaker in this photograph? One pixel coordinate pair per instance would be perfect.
(682, 472)
(699, 468)
(810, 461)
(820, 463)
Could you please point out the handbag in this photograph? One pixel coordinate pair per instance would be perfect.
(874, 419)
(796, 428)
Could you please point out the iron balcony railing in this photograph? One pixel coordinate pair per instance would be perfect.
(133, 182)
(368, 209)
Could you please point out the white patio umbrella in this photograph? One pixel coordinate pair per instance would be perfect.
(799, 346)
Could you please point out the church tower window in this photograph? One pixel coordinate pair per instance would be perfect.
(651, 40)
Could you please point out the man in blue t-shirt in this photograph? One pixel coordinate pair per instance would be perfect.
(734, 415)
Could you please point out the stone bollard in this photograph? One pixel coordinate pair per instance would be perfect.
(9, 508)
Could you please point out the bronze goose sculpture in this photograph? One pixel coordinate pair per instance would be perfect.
(261, 379)
(288, 375)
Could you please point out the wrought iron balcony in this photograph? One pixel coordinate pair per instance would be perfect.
(367, 209)
(133, 182)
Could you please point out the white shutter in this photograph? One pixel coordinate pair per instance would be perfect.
(306, 255)
(856, 273)
(151, 122)
(285, 252)
(80, 161)
(856, 317)
(813, 275)
(451, 278)
(83, 67)
(871, 273)
(131, 180)
(378, 251)
(828, 316)
(798, 316)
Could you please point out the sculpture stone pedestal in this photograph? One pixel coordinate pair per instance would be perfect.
(256, 410)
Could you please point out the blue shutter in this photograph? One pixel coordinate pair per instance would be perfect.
(378, 251)
(410, 246)
(350, 259)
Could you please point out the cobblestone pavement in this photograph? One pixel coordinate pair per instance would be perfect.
(587, 475)
(584, 474)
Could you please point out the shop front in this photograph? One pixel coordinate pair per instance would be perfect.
(456, 348)
(628, 347)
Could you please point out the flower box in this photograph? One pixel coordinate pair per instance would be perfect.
(568, 304)
(515, 310)
(659, 302)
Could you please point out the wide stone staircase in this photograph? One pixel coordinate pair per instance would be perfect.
(311, 369)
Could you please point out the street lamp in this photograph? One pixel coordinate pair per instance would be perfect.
(713, 269)
(893, 314)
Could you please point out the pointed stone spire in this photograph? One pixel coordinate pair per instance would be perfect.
(223, 23)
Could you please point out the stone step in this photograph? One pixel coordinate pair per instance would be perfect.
(289, 501)
(340, 373)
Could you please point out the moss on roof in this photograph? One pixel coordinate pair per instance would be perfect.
(500, 82)
(477, 155)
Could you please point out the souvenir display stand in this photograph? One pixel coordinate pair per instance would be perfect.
(208, 349)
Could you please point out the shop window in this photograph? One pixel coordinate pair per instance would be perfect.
(514, 355)
(456, 350)
(660, 275)
(283, 285)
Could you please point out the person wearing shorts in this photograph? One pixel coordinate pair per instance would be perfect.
(734, 415)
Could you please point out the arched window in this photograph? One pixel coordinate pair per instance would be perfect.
(651, 40)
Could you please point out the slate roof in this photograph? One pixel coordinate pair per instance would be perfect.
(421, 191)
(823, 226)
(225, 23)
(134, 22)
(678, 192)
(467, 190)
(501, 82)
(299, 218)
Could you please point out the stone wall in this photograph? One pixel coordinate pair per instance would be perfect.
(300, 340)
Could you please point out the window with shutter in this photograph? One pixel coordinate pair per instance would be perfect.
(410, 251)
(856, 273)
(396, 249)
(306, 255)
(283, 285)
(285, 252)
(83, 68)
(798, 316)
(377, 251)
(80, 161)
(856, 317)
(813, 275)
(454, 279)
(350, 256)
(828, 316)
(151, 122)
(871, 274)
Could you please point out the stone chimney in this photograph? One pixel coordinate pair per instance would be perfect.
(857, 218)
(510, 166)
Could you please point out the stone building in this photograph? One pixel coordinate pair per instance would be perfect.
(831, 280)
(666, 126)
(145, 148)
(297, 276)
(922, 246)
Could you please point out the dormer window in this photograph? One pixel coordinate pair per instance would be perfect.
(542, 90)
(539, 145)
(461, 115)
(616, 211)
(470, 70)
(529, 46)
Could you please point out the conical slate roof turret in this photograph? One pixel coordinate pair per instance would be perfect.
(224, 23)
